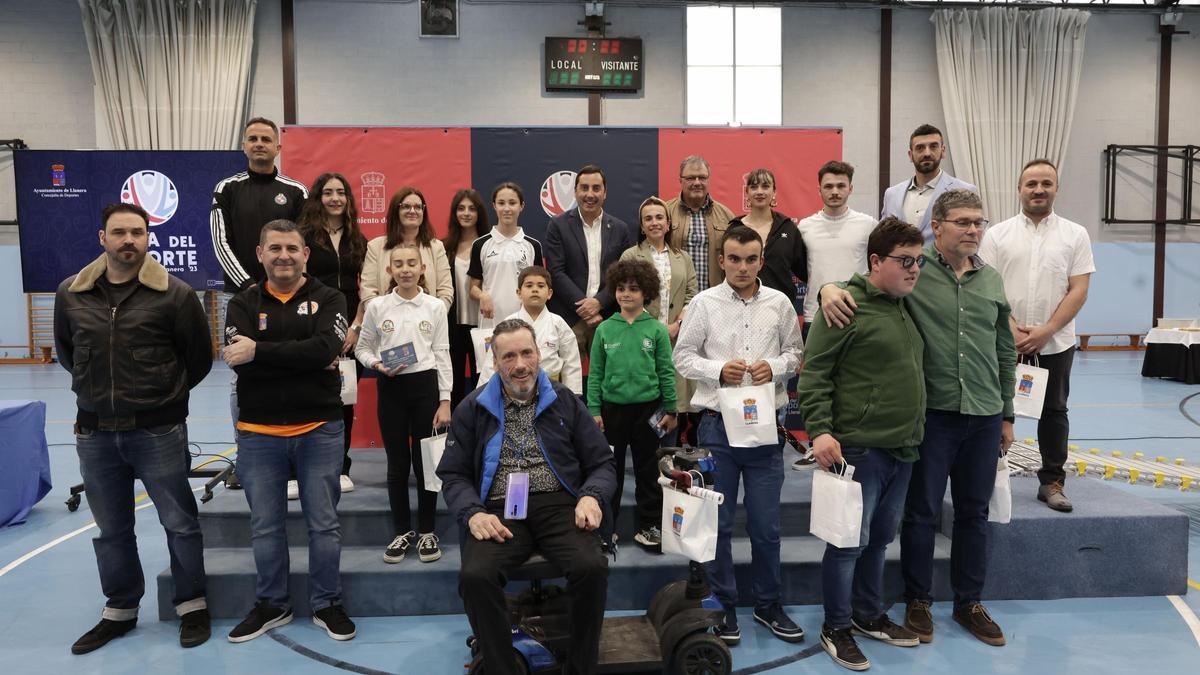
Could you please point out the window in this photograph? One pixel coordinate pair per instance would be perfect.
(734, 65)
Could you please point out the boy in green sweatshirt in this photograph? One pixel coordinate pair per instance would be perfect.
(862, 392)
(631, 389)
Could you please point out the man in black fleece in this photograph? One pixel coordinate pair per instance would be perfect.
(283, 337)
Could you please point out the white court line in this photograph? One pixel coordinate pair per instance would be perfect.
(46, 547)
(1189, 617)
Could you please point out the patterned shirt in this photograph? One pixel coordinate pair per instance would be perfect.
(696, 243)
(662, 263)
(720, 326)
(519, 451)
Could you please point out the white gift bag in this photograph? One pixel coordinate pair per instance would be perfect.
(837, 507)
(689, 523)
(482, 339)
(349, 376)
(431, 453)
(749, 415)
(1030, 393)
(1000, 507)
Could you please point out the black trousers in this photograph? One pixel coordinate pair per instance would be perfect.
(462, 352)
(406, 406)
(1054, 427)
(549, 529)
(628, 425)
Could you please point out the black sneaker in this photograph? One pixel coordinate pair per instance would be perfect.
(728, 630)
(843, 649)
(427, 547)
(886, 630)
(262, 618)
(805, 463)
(773, 617)
(335, 622)
(650, 538)
(195, 628)
(101, 634)
(395, 551)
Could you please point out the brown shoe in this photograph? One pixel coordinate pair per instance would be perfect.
(975, 618)
(1054, 497)
(919, 619)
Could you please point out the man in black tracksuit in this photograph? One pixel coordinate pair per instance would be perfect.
(244, 202)
(283, 336)
(135, 341)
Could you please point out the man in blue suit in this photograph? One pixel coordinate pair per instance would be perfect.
(580, 244)
(911, 200)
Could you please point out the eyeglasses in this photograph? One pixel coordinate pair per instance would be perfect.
(907, 261)
(967, 224)
(694, 179)
(412, 207)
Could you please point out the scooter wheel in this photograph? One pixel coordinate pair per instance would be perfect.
(702, 654)
(476, 666)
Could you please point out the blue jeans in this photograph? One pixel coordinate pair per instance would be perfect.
(963, 449)
(263, 468)
(761, 469)
(109, 462)
(852, 578)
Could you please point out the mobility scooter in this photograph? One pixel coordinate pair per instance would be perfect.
(674, 635)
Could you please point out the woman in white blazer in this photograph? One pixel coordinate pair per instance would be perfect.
(407, 225)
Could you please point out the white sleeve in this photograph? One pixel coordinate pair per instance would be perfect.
(688, 361)
(568, 351)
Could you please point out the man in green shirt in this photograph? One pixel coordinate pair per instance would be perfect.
(862, 392)
(960, 309)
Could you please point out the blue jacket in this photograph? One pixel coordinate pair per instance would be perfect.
(893, 202)
(567, 258)
(572, 444)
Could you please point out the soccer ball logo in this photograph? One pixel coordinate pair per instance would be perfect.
(152, 191)
(558, 193)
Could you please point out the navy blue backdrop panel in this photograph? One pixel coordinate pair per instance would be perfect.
(544, 161)
(60, 194)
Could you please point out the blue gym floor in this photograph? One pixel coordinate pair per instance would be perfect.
(51, 595)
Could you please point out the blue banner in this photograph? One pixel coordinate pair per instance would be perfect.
(60, 194)
(543, 162)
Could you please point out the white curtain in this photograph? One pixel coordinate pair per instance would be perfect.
(1009, 80)
(171, 74)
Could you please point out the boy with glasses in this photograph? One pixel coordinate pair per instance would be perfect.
(862, 392)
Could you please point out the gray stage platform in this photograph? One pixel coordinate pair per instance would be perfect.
(1114, 544)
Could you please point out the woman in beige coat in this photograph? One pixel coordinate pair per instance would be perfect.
(407, 225)
(676, 273)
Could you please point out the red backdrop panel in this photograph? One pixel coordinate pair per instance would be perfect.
(793, 155)
(380, 160)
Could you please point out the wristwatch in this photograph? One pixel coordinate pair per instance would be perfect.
(357, 328)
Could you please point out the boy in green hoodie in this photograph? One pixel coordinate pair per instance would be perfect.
(862, 392)
(631, 389)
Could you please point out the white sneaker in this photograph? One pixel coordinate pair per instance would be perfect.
(347, 484)
(293, 489)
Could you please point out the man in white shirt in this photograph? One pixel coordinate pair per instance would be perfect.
(835, 239)
(580, 245)
(836, 236)
(911, 200)
(736, 332)
(1046, 262)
